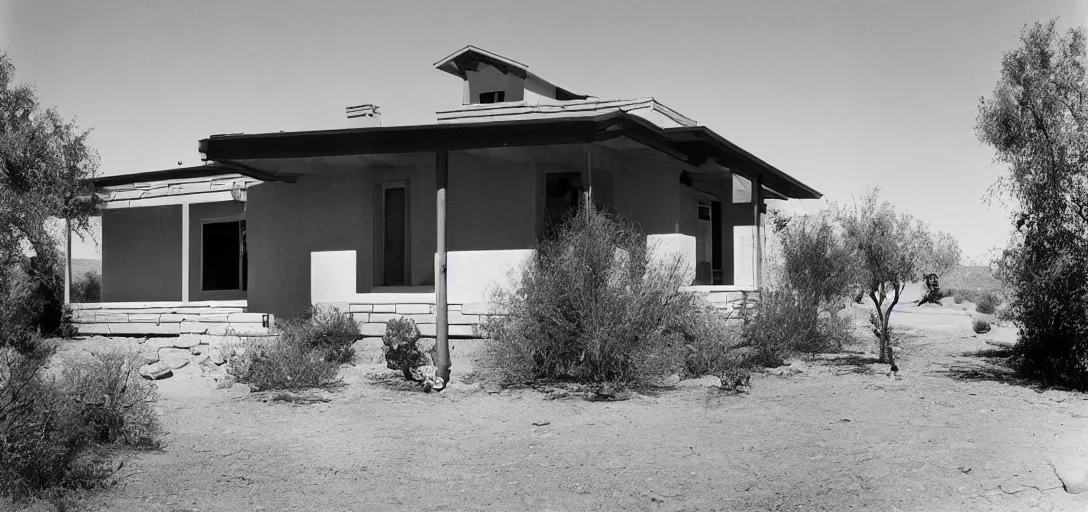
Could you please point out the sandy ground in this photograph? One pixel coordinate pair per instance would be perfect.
(954, 432)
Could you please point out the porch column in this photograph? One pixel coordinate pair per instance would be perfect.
(67, 261)
(185, 252)
(757, 227)
(442, 330)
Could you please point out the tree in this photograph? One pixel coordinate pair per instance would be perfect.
(887, 255)
(939, 254)
(1035, 122)
(45, 171)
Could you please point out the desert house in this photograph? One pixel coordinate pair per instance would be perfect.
(362, 217)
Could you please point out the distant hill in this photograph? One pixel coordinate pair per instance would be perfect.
(978, 278)
(82, 266)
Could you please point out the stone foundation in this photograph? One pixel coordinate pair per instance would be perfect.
(203, 321)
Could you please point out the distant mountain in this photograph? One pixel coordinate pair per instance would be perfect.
(82, 266)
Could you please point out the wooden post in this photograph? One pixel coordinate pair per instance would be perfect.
(757, 199)
(67, 261)
(589, 177)
(185, 252)
(728, 219)
(442, 357)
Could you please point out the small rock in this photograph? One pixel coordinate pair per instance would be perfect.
(200, 359)
(1074, 478)
(195, 350)
(187, 341)
(149, 355)
(155, 371)
(542, 423)
(174, 358)
(218, 358)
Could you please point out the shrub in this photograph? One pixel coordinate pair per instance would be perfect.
(87, 288)
(714, 348)
(115, 402)
(332, 332)
(41, 435)
(303, 355)
(957, 297)
(784, 325)
(592, 308)
(987, 304)
(402, 351)
(980, 326)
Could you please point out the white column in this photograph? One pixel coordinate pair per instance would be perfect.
(185, 252)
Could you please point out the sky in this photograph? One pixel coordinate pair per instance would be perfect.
(843, 95)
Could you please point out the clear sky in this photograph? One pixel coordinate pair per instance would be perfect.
(844, 95)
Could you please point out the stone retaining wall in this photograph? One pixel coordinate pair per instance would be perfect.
(202, 320)
(371, 317)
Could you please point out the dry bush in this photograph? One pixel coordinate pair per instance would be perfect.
(87, 288)
(43, 435)
(306, 352)
(114, 401)
(402, 350)
(714, 348)
(987, 304)
(980, 326)
(785, 325)
(591, 308)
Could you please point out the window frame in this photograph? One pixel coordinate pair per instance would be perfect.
(239, 219)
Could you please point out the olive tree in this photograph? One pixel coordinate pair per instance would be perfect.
(1035, 122)
(888, 256)
(45, 167)
(939, 253)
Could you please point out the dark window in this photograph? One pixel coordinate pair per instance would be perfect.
(562, 197)
(493, 97)
(223, 256)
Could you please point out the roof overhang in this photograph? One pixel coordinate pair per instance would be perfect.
(210, 170)
(470, 57)
(693, 146)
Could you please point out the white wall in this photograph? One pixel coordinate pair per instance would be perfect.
(487, 79)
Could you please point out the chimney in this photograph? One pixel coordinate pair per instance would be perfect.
(364, 116)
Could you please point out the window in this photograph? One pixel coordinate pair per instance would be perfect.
(562, 197)
(493, 97)
(223, 259)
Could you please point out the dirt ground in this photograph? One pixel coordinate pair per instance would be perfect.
(954, 432)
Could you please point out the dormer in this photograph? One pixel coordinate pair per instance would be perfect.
(492, 78)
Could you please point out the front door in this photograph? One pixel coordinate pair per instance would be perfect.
(395, 229)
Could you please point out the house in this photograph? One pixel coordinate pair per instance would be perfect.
(367, 217)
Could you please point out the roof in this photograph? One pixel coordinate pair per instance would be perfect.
(693, 145)
(211, 169)
(470, 57)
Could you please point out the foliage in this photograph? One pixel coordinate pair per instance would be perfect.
(888, 256)
(87, 288)
(296, 358)
(1035, 121)
(114, 401)
(592, 307)
(712, 347)
(810, 284)
(330, 331)
(987, 304)
(402, 351)
(980, 326)
(46, 426)
(938, 254)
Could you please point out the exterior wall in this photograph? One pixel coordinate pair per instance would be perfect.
(287, 221)
(491, 204)
(490, 79)
(198, 214)
(650, 195)
(141, 254)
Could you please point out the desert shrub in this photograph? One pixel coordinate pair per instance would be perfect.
(987, 303)
(591, 306)
(41, 432)
(87, 288)
(330, 331)
(402, 351)
(115, 402)
(980, 326)
(290, 360)
(783, 325)
(957, 298)
(711, 347)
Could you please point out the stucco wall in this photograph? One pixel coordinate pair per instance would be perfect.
(650, 196)
(198, 214)
(490, 79)
(491, 204)
(141, 254)
(287, 221)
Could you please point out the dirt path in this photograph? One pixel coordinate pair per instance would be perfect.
(952, 434)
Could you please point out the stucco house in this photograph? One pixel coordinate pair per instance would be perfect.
(364, 216)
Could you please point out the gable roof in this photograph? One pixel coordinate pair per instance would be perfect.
(470, 57)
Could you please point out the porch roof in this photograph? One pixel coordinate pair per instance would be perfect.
(692, 145)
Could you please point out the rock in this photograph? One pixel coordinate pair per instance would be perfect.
(671, 380)
(1074, 478)
(199, 349)
(217, 357)
(155, 371)
(149, 355)
(201, 359)
(187, 341)
(174, 358)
